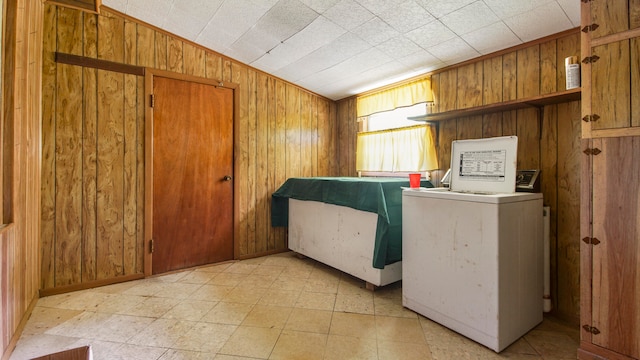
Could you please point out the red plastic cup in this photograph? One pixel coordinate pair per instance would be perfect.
(414, 180)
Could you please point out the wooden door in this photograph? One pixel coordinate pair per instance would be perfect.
(615, 211)
(192, 169)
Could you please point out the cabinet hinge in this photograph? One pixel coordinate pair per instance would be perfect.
(586, 1)
(589, 28)
(590, 59)
(594, 151)
(151, 246)
(591, 329)
(589, 118)
(152, 100)
(592, 241)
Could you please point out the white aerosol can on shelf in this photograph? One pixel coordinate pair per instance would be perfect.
(572, 70)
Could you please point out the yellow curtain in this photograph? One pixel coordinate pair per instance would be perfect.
(397, 150)
(405, 95)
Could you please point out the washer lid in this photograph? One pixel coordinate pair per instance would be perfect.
(484, 165)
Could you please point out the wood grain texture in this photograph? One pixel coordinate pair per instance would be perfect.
(610, 86)
(448, 90)
(509, 76)
(615, 310)
(48, 190)
(528, 72)
(635, 81)
(492, 80)
(241, 168)
(26, 65)
(548, 67)
(469, 85)
(528, 132)
(113, 162)
(110, 165)
(568, 220)
(566, 46)
(611, 17)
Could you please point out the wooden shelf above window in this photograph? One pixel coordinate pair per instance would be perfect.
(536, 101)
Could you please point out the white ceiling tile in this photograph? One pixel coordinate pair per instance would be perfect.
(541, 21)
(453, 51)
(406, 16)
(398, 47)
(202, 10)
(231, 21)
(311, 38)
(491, 38)
(509, 8)
(319, 6)
(327, 56)
(348, 14)
(439, 8)
(421, 60)
(292, 40)
(572, 9)
(431, 34)
(375, 31)
(150, 11)
(471, 17)
(379, 7)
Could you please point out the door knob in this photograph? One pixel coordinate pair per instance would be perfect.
(227, 178)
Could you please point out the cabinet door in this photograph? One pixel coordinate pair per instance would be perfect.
(615, 85)
(614, 16)
(616, 258)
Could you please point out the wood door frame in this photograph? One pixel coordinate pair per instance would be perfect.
(148, 154)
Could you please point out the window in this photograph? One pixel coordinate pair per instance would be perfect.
(389, 144)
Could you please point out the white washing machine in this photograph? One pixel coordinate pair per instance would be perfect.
(473, 261)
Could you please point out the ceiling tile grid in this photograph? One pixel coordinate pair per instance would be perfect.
(338, 48)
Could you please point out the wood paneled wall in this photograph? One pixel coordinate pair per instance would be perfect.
(548, 138)
(21, 112)
(93, 141)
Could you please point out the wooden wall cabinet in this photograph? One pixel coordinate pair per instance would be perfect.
(610, 187)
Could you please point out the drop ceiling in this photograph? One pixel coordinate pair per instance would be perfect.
(338, 48)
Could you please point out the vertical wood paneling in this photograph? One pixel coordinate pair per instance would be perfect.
(68, 150)
(528, 72)
(635, 80)
(469, 127)
(213, 66)
(253, 236)
(280, 138)
(263, 206)
(194, 61)
(566, 46)
(161, 51)
(146, 41)
(548, 65)
(130, 174)
(568, 220)
(89, 173)
(549, 186)
(435, 90)
(110, 187)
(509, 76)
(48, 190)
(492, 125)
(448, 90)
(175, 55)
(528, 132)
(492, 80)
(112, 133)
(610, 85)
(241, 164)
(469, 85)
(272, 147)
(293, 130)
(25, 74)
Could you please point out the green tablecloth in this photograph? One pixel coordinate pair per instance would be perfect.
(382, 196)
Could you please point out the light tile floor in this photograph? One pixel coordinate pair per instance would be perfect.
(274, 307)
